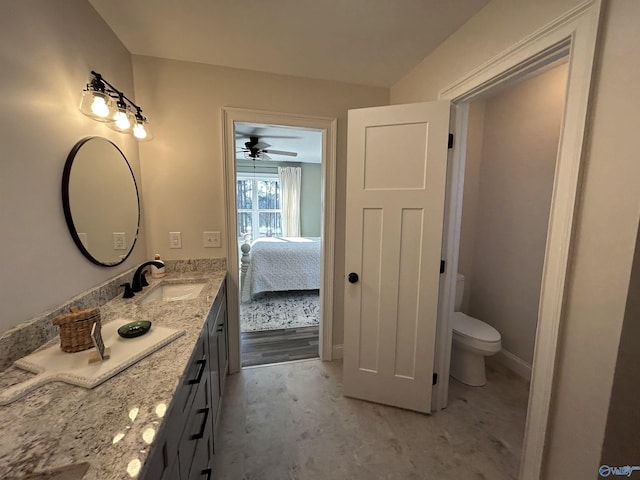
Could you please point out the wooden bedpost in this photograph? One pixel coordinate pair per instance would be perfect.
(244, 262)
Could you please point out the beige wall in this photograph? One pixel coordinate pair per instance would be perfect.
(521, 128)
(183, 166)
(47, 51)
(473, 160)
(606, 218)
(621, 441)
(492, 30)
(606, 232)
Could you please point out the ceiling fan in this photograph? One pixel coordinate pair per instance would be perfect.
(255, 149)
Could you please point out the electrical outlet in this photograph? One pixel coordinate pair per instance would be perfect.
(175, 240)
(119, 241)
(211, 239)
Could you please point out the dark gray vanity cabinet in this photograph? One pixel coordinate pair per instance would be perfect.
(218, 349)
(185, 445)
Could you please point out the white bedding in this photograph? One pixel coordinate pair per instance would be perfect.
(278, 264)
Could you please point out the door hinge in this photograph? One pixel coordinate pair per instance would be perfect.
(435, 379)
(451, 140)
(442, 265)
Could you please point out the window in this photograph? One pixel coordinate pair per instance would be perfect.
(258, 204)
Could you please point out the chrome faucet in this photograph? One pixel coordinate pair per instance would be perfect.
(137, 283)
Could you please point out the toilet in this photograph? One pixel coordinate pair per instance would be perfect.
(472, 341)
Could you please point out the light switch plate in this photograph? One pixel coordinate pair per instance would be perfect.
(175, 240)
(211, 239)
(119, 241)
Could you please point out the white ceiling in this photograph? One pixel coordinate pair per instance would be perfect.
(369, 42)
(306, 142)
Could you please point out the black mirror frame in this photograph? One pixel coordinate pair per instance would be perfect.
(66, 205)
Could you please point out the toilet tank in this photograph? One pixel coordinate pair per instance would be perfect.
(459, 293)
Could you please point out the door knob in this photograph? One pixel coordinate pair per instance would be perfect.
(353, 277)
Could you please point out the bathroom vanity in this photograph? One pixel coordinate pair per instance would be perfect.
(155, 420)
(185, 444)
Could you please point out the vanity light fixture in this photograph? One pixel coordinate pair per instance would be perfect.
(105, 103)
(122, 118)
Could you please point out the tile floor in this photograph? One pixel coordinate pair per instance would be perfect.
(291, 421)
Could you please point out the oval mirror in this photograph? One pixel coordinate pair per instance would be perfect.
(100, 201)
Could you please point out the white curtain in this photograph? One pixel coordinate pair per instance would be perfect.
(290, 179)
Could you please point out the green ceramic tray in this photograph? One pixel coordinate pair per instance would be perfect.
(134, 329)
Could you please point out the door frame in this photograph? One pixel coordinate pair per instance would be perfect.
(328, 125)
(574, 34)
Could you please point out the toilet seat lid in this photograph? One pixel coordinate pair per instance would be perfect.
(473, 328)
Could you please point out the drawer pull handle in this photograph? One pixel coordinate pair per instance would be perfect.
(207, 472)
(203, 427)
(201, 364)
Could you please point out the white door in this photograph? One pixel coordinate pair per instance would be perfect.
(396, 173)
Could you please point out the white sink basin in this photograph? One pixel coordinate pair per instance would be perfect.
(173, 292)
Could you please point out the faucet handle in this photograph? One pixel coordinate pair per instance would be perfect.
(143, 279)
(128, 291)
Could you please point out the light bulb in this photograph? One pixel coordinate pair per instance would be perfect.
(139, 131)
(122, 120)
(99, 106)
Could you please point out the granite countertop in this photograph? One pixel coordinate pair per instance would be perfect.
(112, 425)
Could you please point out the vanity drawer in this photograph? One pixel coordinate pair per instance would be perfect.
(163, 458)
(193, 376)
(198, 428)
(219, 305)
(202, 460)
(223, 347)
(172, 473)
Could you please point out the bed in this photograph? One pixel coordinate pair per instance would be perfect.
(279, 264)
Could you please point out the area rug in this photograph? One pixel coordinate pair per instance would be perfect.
(275, 310)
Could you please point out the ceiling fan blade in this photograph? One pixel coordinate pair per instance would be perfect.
(281, 152)
(261, 145)
(264, 156)
(253, 132)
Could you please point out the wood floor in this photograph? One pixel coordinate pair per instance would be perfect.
(274, 346)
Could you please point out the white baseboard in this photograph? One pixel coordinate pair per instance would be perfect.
(336, 352)
(515, 364)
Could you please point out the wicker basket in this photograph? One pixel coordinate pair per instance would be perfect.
(75, 329)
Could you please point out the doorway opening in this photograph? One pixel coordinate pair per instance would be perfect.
(572, 36)
(278, 173)
(245, 226)
(512, 142)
